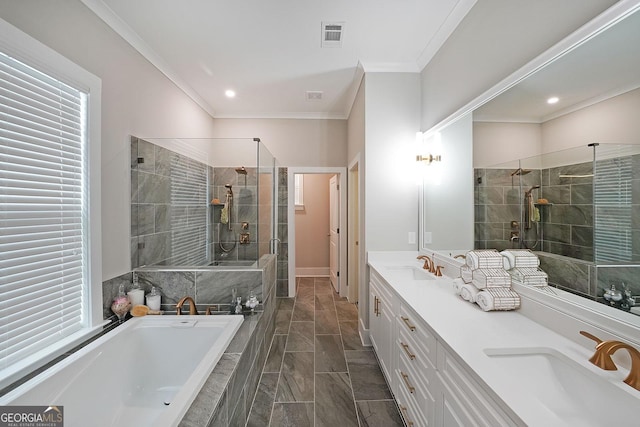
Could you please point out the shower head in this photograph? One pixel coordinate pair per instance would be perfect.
(520, 171)
(241, 170)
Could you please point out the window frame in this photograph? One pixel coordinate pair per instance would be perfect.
(298, 196)
(26, 49)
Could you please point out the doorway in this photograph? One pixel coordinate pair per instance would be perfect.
(340, 223)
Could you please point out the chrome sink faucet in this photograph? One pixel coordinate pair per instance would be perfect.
(602, 358)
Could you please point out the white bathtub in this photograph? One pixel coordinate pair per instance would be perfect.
(146, 372)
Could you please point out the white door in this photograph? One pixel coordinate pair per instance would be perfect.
(334, 232)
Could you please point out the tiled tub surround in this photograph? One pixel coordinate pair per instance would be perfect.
(209, 287)
(587, 279)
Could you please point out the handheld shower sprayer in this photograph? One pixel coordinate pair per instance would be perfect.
(529, 206)
(528, 192)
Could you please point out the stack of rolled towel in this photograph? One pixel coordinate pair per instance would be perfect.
(484, 280)
(524, 267)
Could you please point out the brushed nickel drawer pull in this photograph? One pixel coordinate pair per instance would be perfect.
(405, 377)
(406, 415)
(406, 321)
(406, 350)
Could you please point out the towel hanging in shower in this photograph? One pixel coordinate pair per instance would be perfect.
(224, 215)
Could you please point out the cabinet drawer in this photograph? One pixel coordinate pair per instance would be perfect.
(413, 417)
(380, 285)
(418, 386)
(423, 337)
(414, 356)
(484, 410)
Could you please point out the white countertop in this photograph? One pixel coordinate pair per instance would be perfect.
(467, 330)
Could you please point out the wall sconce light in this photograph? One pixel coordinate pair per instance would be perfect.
(429, 158)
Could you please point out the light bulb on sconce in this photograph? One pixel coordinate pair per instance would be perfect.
(430, 158)
(428, 142)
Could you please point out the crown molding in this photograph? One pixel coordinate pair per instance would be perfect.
(121, 28)
(457, 14)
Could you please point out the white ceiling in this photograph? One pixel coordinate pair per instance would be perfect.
(605, 66)
(269, 52)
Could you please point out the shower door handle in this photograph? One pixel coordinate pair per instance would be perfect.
(275, 246)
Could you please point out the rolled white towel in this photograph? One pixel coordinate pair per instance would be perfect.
(508, 260)
(498, 299)
(466, 274)
(469, 293)
(485, 258)
(485, 300)
(522, 257)
(457, 285)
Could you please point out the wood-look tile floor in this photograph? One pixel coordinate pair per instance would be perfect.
(317, 372)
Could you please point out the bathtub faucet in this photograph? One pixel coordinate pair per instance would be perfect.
(192, 306)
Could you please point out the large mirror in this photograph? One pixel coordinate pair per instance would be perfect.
(520, 135)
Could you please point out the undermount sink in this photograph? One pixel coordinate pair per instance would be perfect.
(576, 395)
(410, 272)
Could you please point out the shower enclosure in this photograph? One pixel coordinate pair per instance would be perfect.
(201, 202)
(578, 208)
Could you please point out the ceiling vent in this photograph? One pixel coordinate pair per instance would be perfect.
(313, 95)
(332, 34)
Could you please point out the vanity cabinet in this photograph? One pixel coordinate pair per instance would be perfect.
(415, 367)
(462, 401)
(381, 308)
(430, 384)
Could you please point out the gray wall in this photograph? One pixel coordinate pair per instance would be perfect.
(495, 39)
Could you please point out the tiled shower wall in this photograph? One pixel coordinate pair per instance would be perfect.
(173, 219)
(169, 219)
(245, 209)
(566, 226)
(282, 287)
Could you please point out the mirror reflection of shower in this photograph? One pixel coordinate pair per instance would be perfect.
(530, 220)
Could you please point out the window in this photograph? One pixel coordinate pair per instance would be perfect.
(299, 191)
(49, 235)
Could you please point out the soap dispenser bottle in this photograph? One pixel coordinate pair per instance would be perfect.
(121, 304)
(153, 299)
(136, 293)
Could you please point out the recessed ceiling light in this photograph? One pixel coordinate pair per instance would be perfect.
(230, 93)
(553, 100)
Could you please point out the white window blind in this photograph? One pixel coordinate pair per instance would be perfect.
(188, 211)
(43, 236)
(613, 198)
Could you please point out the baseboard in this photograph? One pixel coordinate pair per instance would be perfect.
(312, 271)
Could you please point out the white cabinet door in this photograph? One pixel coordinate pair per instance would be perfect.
(463, 401)
(381, 320)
